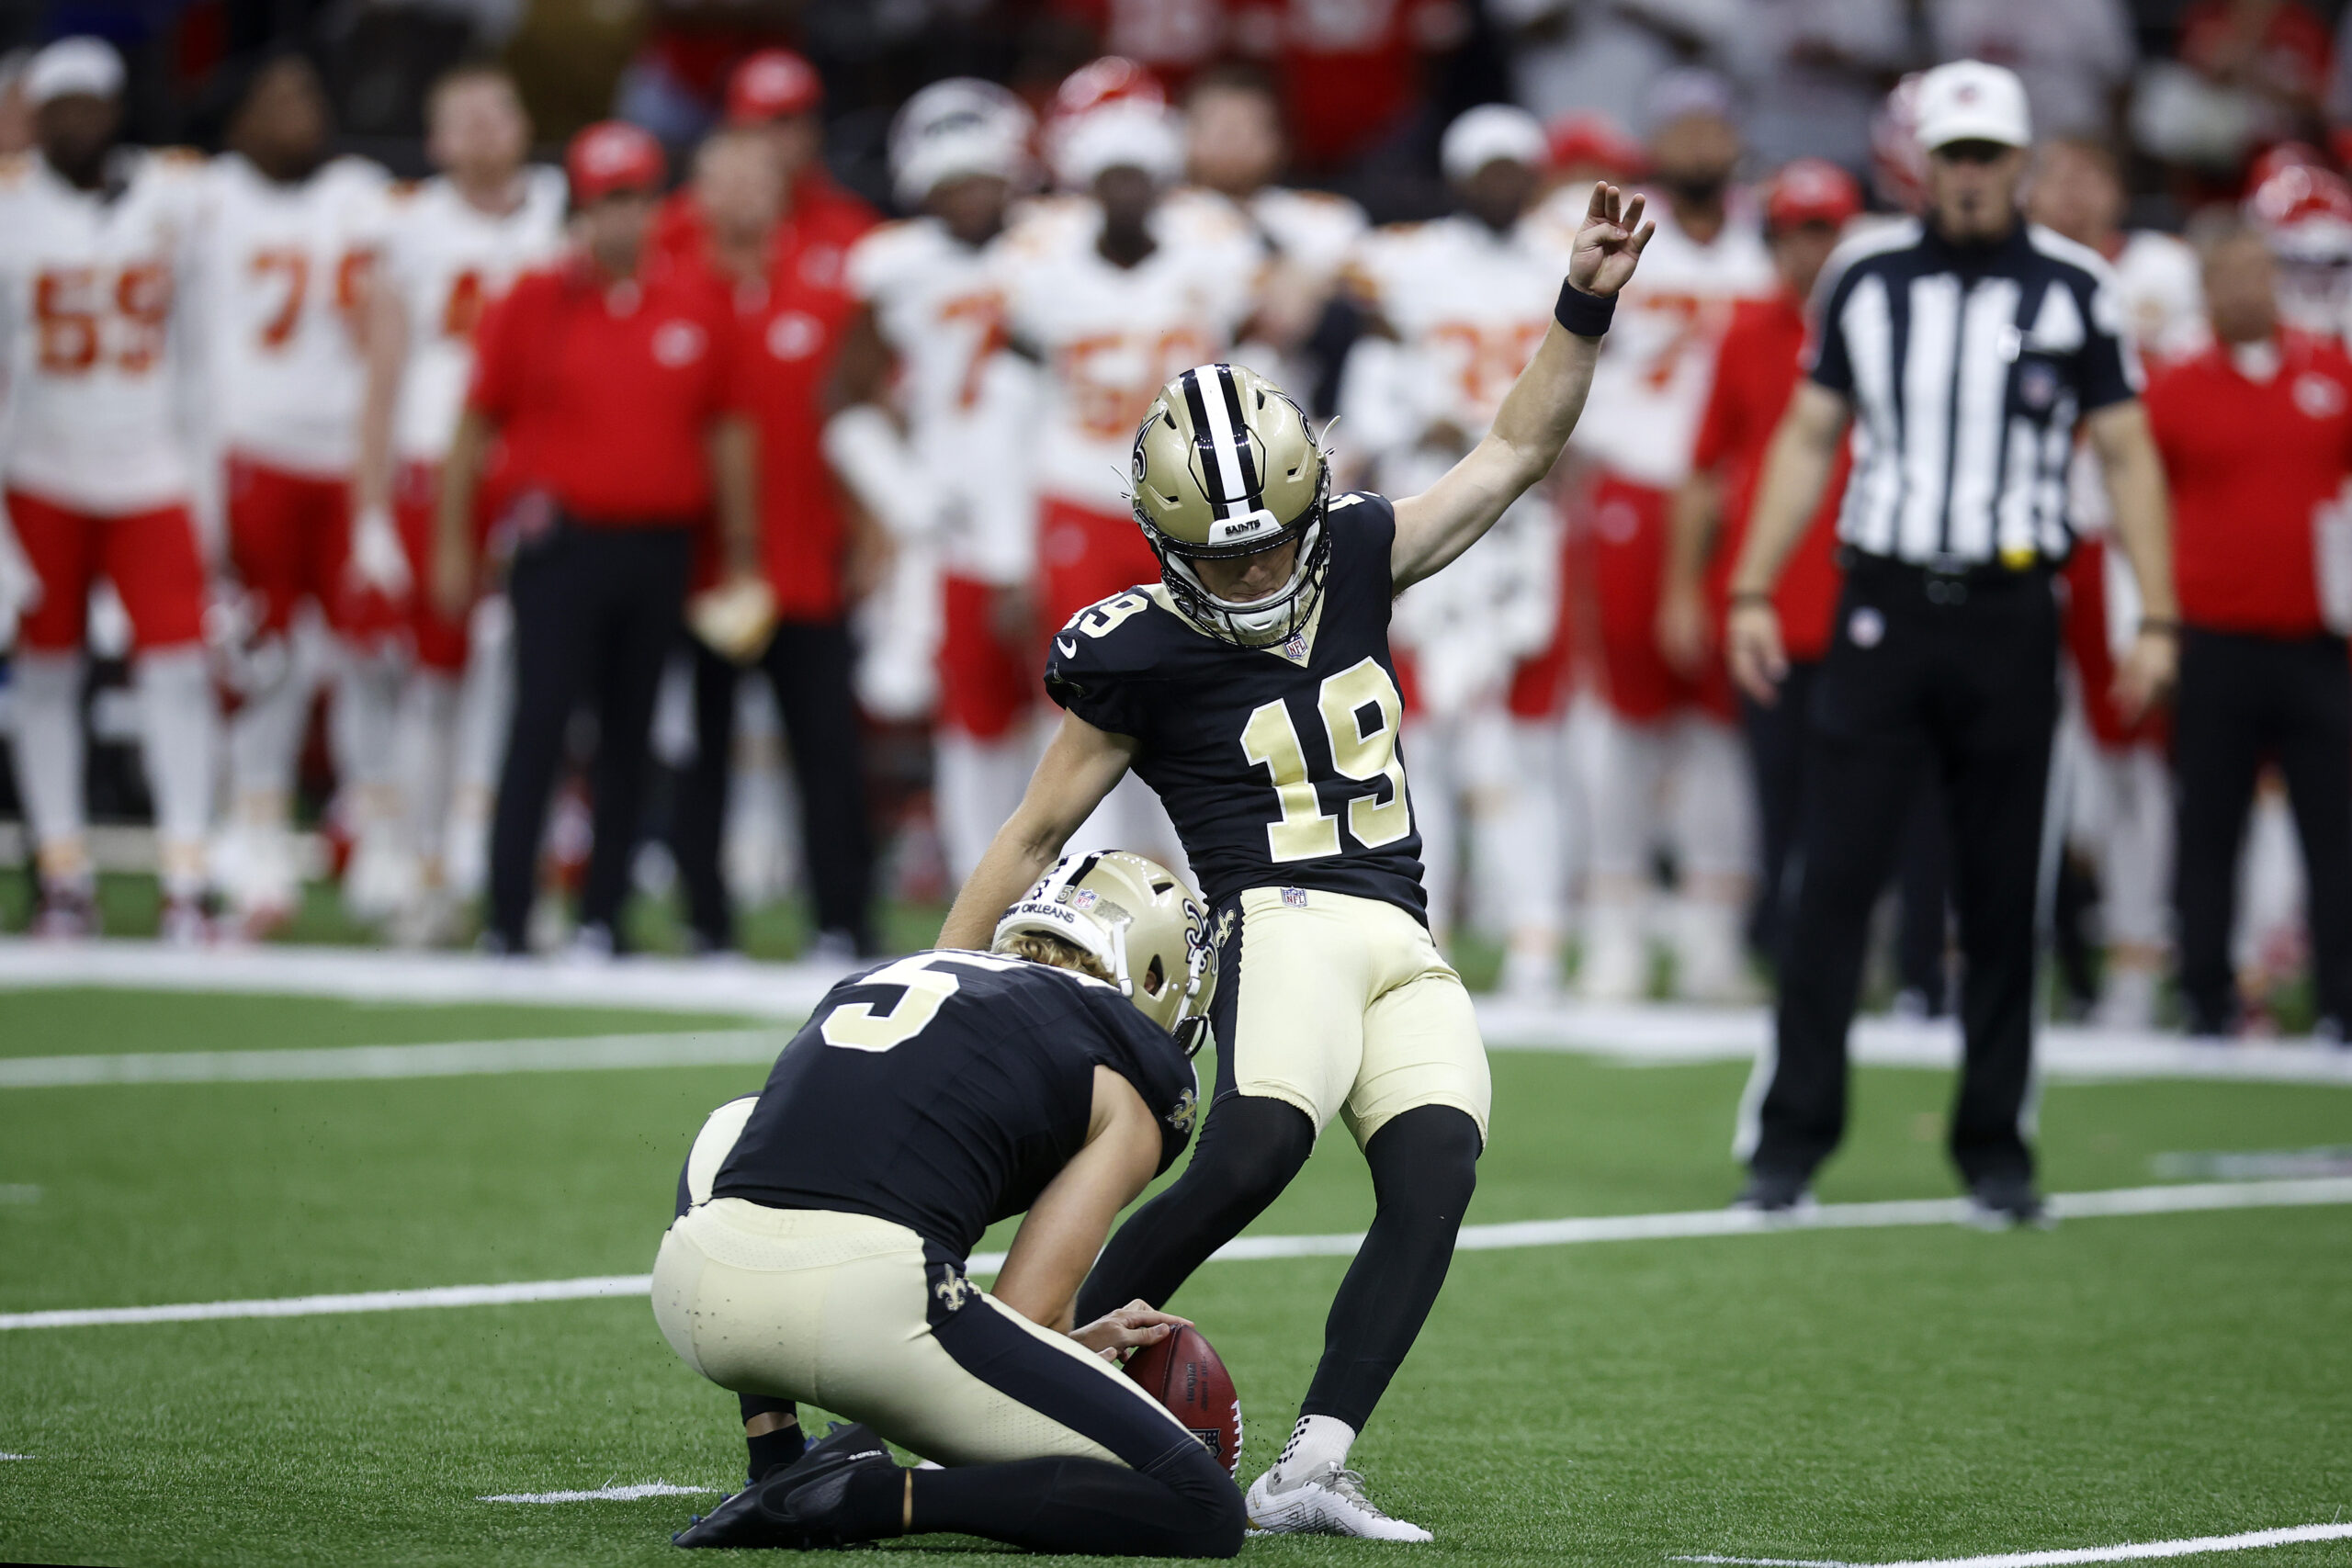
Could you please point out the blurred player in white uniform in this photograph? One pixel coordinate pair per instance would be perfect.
(1115, 293)
(935, 442)
(1660, 755)
(454, 245)
(1234, 148)
(97, 467)
(2121, 809)
(289, 238)
(1457, 307)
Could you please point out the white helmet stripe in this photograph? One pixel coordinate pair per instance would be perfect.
(1222, 439)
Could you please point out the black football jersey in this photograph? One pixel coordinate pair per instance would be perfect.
(1280, 766)
(944, 1091)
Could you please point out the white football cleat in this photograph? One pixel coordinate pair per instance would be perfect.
(1328, 1500)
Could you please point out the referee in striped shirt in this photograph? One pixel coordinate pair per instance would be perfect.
(1964, 349)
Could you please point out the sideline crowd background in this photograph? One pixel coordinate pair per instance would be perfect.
(1579, 764)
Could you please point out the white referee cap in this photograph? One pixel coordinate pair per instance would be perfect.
(1970, 100)
(74, 65)
(1489, 133)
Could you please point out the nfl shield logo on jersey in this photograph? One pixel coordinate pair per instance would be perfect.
(1294, 896)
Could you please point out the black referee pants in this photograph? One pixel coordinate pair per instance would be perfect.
(1953, 680)
(1779, 748)
(809, 665)
(2245, 699)
(596, 611)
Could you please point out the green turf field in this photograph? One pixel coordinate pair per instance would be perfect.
(1858, 1396)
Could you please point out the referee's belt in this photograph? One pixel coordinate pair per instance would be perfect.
(1953, 584)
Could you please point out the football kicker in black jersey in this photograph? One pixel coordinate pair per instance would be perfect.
(1280, 765)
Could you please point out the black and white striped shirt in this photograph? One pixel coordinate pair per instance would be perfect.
(1967, 368)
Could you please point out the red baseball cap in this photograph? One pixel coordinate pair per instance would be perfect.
(1589, 138)
(1811, 190)
(770, 84)
(612, 155)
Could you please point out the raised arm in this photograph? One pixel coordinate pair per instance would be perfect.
(1541, 408)
(1796, 471)
(1079, 767)
(2141, 502)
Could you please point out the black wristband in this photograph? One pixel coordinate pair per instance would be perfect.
(1750, 596)
(1587, 315)
(2160, 624)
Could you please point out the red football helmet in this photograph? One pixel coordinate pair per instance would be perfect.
(1898, 163)
(1811, 190)
(2306, 214)
(1584, 142)
(2279, 156)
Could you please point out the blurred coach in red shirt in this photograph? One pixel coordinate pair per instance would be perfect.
(781, 264)
(2256, 438)
(612, 376)
(1806, 206)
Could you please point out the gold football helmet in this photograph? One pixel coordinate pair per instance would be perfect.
(1226, 466)
(1140, 922)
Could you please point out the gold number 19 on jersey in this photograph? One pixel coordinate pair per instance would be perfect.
(1305, 830)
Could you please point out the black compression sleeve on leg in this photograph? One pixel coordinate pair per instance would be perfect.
(1424, 1166)
(1181, 1507)
(1249, 1151)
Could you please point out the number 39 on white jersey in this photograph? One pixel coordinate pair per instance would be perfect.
(97, 412)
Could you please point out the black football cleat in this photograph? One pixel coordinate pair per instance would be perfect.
(2007, 1202)
(816, 1508)
(752, 1516)
(1779, 1193)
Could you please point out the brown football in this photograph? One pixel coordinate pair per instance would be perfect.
(1183, 1372)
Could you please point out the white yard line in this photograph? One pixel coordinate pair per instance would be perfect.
(602, 1494)
(1643, 1034)
(706, 1048)
(2196, 1546)
(1474, 1239)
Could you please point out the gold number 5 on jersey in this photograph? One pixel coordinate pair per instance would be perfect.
(1361, 751)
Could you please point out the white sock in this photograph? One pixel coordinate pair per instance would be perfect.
(366, 707)
(426, 730)
(1316, 1442)
(183, 737)
(49, 760)
(264, 738)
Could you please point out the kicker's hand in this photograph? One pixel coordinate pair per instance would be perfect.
(1611, 242)
(1126, 1329)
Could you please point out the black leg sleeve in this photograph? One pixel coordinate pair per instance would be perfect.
(811, 666)
(1182, 1506)
(1248, 1154)
(700, 828)
(551, 632)
(1424, 1167)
